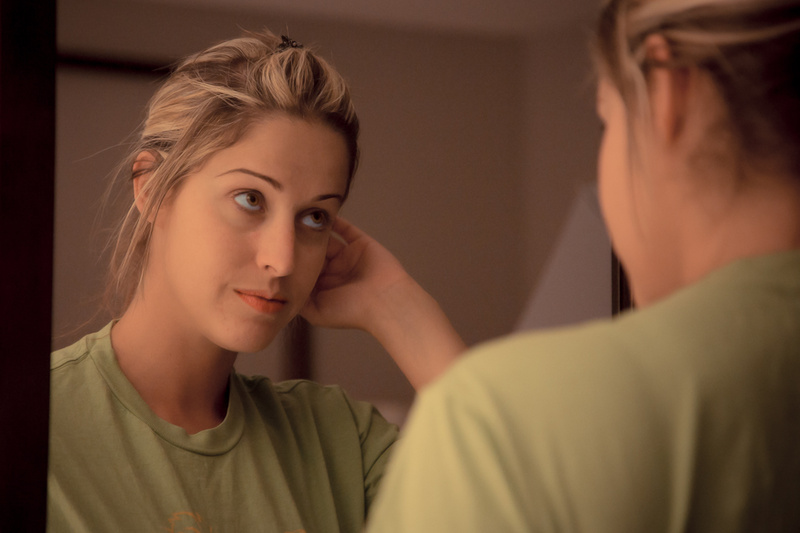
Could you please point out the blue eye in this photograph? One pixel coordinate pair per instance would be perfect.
(249, 200)
(318, 220)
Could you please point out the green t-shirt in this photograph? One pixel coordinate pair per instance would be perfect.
(684, 416)
(289, 457)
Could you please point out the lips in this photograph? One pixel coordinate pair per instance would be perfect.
(262, 302)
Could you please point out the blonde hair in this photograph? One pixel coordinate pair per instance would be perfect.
(750, 48)
(206, 105)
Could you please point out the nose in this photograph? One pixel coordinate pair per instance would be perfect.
(276, 247)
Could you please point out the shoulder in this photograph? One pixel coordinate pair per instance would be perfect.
(350, 432)
(325, 405)
(621, 380)
(547, 420)
(71, 354)
(563, 379)
(509, 431)
(297, 393)
(98, 340)
(542, 363)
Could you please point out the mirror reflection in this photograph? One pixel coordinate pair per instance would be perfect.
(454, 122)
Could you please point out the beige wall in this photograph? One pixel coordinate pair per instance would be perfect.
(473, 148)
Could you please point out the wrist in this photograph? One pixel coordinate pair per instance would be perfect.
(412, 327)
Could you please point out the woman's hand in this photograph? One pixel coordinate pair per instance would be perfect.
(357, 271)
(364, 286)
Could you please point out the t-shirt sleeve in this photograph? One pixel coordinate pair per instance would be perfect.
(538, 434)
(449, 472)
(377, 437)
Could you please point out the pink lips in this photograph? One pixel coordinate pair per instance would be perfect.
(261, 302)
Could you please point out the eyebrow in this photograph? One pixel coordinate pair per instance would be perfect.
(329, 196)
(272, 181)
(278, 185)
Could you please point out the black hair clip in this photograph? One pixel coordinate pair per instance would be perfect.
(287, 43)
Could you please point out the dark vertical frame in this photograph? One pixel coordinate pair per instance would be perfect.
(27, 161)
(298, 356)
(620, 290)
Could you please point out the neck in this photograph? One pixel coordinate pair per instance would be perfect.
(182, 377)
(762, 218)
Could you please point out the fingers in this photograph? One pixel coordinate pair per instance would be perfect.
(343, 233)
(347, 231)
(336, 244)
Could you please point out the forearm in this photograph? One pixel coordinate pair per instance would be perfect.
(412, 327)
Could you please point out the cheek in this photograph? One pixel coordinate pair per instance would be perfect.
(203, 250)
(310, 262)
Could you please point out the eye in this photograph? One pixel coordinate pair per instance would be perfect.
(249, 200)
(318, 220)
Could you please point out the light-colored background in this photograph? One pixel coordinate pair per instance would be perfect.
(479, 140)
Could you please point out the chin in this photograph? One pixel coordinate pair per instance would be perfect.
(249, 341)
(256, 345)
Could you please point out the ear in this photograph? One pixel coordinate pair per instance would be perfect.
(142, 170)
(668, 89)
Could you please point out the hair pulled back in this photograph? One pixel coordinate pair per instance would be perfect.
(750, 48)
(206, 105)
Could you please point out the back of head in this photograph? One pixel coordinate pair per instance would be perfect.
(750, 49)
(206, 105)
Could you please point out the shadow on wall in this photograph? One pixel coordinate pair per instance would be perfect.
(576, 283)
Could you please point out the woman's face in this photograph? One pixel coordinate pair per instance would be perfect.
(236, 252)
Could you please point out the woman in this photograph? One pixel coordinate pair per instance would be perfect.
(683, 415)
(244, 160)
